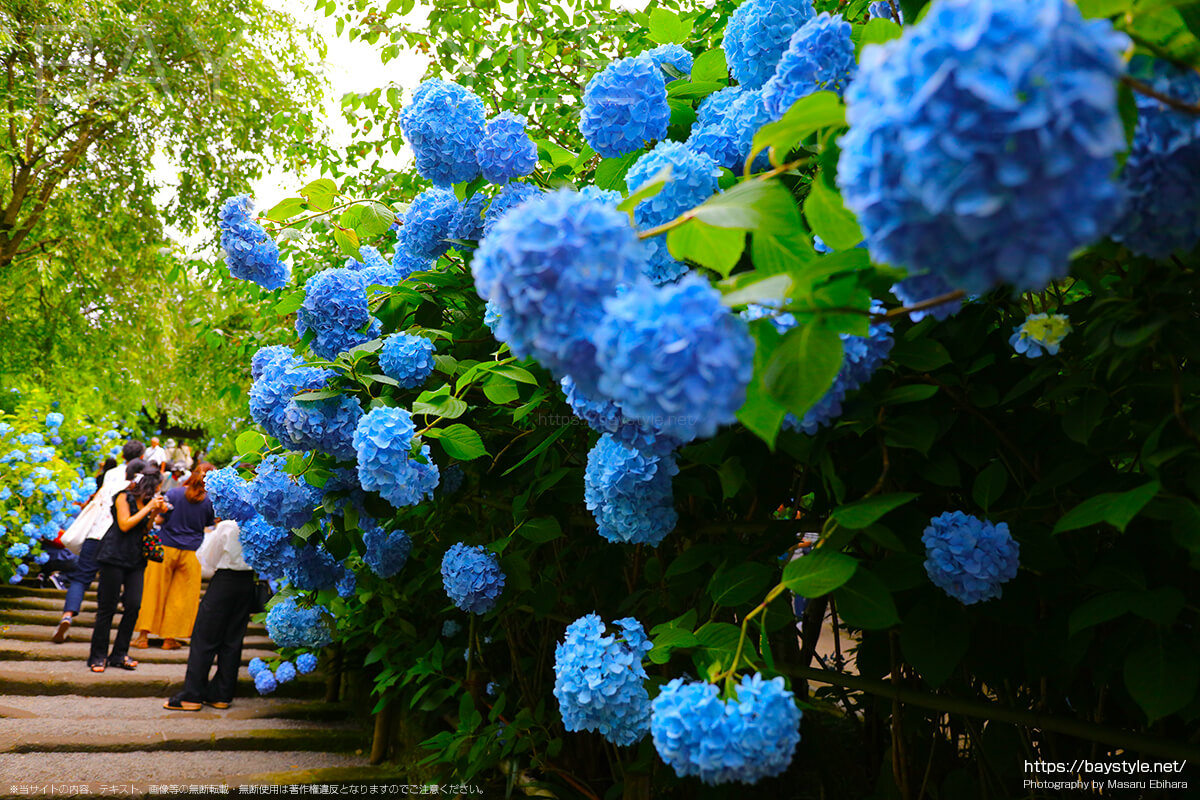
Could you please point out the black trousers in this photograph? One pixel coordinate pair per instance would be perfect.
(220, 627)
(125, 584)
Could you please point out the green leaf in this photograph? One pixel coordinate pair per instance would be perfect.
(1162, 675)
(320, 194)
(1115, 508)
(610, 172)
(1160, 606)
(750, 287)
(740, 584)
(459, 441)
(540, 530)
(691, 90)
(802, 367)
(347, 242)
(290, 303)
(920, 355)
(911, 432)
(501, 390)
(878, 31)
(935, 637)
(515, 373)
(829, 219)
(863, 513)
(819, 572)
(323, 394)
(1095, 9)
(647, 190)
(669, 639)
(807, 115)
(864, 602)
(668, 28)
(249, 442)
(710, 66)
(990, 485)
(719, 249)
(541, 447)
(761, 414)
(752, 206)
(375, 220)
(912, 393)
(286, 209)
(439, 403)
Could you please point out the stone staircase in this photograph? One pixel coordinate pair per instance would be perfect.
(67, 731)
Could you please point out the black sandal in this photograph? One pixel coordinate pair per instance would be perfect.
(128, 664)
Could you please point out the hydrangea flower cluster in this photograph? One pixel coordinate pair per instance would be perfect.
(383, 441)
(276, 354)
(508, 198)
(743, 740)
(272, 392)
(265, 547)
(1002, 164)
(323, 425)
(599, 680)
(467, 224)
(605, 416)
(969, 558)
(280, 498)
(54, 419)
(506, 151)
(625, 106)
(862, 355)
(402, 265)
(692, 180)
(675, 356)
(335, 307)
(252, 255)
(548, 270)
(285, 672)
(289, 625)
(306, 663)
(18, 550)
(347, 584)
(427, 223)
(407, 359)
(472, 578)
(444, 125)
(264, 682)
(726, 124)
(674, 55)
(919, 288)
(256, 666)
(819, 57)
(882, 9)
(387, 553)
(661, 267)
(1040, 333)
(629, 493)
(230, 494)
(313, 569)
(758, 34)
(1162, 198)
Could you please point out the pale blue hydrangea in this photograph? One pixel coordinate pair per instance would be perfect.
(265, 682)
(819, 57)
(230, 494)
(250, 252)
(18, 550)
(969, 558)
(661, 267)
(548, 269)
(387, 552)
(404, 263)
(256, 666)
(265, 547)
(289, 625)
(54, 419)
(407, 359)
(285, 672)
(326, 426)
(427, 223)
(742, 740)
(1162, 197)
(335, 308)
(758, 34)
(491, 315)
(625, 106)
(508, 198)
(674, 55)
(629, 493)
(1039, 334)
(467, 224)
(274, 355)
(283, 500)
(472, 578)
(313, 569)
(600, 681)
(383, 441)
(919, 288)
(726, 126)
(270, 395)
(1002, 163)
(605, 416)
(506, 151)
(450, 629)
(306, 663)
(675, 357)
(372, 259)
(444, 124)
(692, 180)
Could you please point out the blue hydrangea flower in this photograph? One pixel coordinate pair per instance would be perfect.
(742, 740)
(629, 493)
(256, 666)
(54, 419)
(608, 196)
(266, 548)
(306, 663)
(675, 55)
(289, 625)
(661, 267)
(285, 672)
(271, 394)
(230, 494)
(692, 180)
(265, 682)
(406, 358)
(726, 126)
(508, 198)
(1001, 164)
(969, 558)
(274, 355)
(862, 355)
(1040, 333)
(675, 356)
(605, 416)
(625, 106)
(335, 307)
(251, 254)
(548, 269)
(372, 260)
(491, 315)
(326, 426)
(472, 578)
(506, 151)
(452, 480)
(347, 584)
(599, 680)
(18, 550)
(919, 288)
(281, 499)
(882, 9)
(450, 628)
(387, 553)
(444, 124)
(312, 569)
(819, 57)
(383, 441)
(1162, 198)
(427, 223)
(758, 34)
(467, 224)
(403, 264)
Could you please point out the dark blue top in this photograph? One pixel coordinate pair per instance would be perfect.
(185, 524)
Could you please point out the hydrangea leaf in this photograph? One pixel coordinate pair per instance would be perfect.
(286, 209)
(439, 403)
(829, 218)
(803, 365)
(863, 513)
(819, 572)
(249, 441)
(806, 116)
(668, 640)
(1115, 508)
(320, 193)
(1096, 9)
(610, 172)
(647, 190)
(934, 637)
(1162, 675)
(719, 249)
(990, 485)
(692, 90)
(710, 66)
(347, 241)
(541, 530)
(752, 206)
(750, 287)
(739, 584)
(877, 31)
(459, 441)
(290, 303)
(865, 602)
(668, 28)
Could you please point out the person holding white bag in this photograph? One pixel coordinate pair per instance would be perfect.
(85, 534)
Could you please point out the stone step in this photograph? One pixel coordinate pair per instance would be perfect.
(54, 604)
(255, 711)
(148, 680)
(31, 588)
(187, 736)
(77, 650)
(83, 633)
(84, 619)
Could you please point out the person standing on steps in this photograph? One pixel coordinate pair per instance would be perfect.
(122, 565)
(225, 611)
(172, 588)
(96, 518)
(155, 453)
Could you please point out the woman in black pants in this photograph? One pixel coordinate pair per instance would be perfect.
(122, 564)
(221, 622)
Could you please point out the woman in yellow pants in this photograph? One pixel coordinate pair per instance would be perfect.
(172, 588)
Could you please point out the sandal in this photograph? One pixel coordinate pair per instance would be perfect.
(97, 668)
(128, 664)
(175, 704)
(220, 704)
